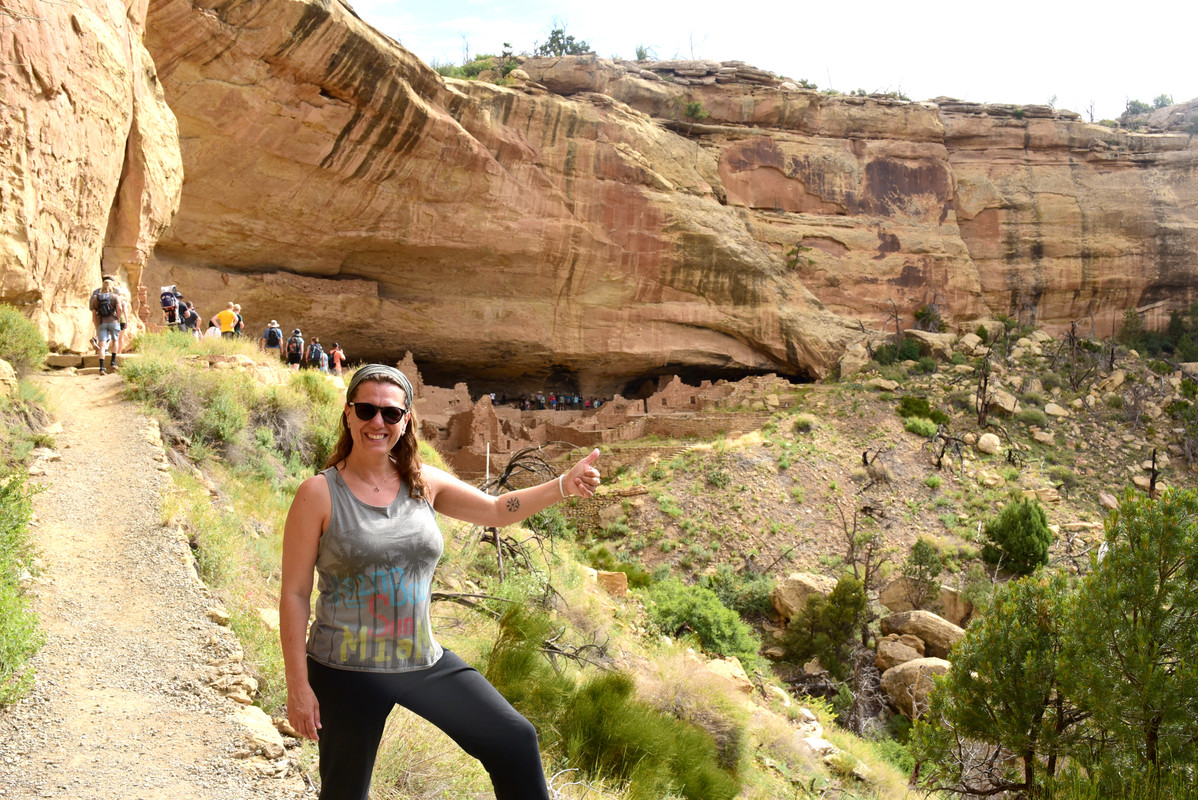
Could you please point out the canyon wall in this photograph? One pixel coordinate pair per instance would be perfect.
(602, 223)
(90, 170)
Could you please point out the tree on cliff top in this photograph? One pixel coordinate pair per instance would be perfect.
(560, 44)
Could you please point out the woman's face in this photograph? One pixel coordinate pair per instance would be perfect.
(374, 435)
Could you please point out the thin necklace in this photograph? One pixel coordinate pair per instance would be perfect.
(367, 482)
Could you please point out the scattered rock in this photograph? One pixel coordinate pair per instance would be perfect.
(790, 596)
(989, 443)
(882, 384)
(614, 583)
(892, 652)
(938, 634)
(908, 684)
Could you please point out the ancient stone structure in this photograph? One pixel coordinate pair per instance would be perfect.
(593, 224)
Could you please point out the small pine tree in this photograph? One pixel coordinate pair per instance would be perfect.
(825, 626)
(1019, 537)
(920, 571)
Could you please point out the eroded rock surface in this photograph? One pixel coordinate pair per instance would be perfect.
(593, 223)
(90, 170)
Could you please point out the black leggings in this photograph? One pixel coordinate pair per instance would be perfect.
(450, 694)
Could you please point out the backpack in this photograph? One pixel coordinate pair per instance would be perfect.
(273, 337)
(315, 353)
(169, 300)
(293, 345)
(106, 304)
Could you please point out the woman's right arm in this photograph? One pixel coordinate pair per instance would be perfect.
(307, 519)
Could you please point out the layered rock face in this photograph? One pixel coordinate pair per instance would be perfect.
(592, 224)
(336, 183)
(90, 170)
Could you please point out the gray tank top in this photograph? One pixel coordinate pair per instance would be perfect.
(374, 572)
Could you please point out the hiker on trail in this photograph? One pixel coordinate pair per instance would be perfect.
(295, 349)
(272, 339)
(105, 305)
(239, 325)
(313, 354)
(226, 320)
(368, 525)
(189, 319)
(170, 298)
(338, 357)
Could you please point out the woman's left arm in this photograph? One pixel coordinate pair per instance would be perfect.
(460, 500)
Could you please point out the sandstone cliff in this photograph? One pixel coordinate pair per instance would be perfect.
(90, 170)
(602, 223)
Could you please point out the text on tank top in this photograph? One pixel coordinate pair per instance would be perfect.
(374, 571)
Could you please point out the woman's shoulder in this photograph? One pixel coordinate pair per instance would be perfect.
(318, 484)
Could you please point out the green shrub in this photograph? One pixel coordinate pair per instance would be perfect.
(602, 558)
(922, 570)
(599, 727)
(20, 637)
(933, 482)
(1033, 416)
(1063, 476)
(921, 427)
(747, 595)
(718, 477)
(825, 626)
(915, 406)
(222, 420)
(982, 334)
(608, 734)
(21, 343)
(674, 606)
(927, 364)
(907, 350)
(1019, 537)
(804, 423)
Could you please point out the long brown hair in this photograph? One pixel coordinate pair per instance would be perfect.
(405, 453)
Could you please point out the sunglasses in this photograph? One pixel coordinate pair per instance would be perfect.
(366, 411)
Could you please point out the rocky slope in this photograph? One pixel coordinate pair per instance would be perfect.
(578, 225)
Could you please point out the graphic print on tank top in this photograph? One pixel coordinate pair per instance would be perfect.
(374, 575)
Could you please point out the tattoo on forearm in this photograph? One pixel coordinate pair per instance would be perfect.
(513, 504)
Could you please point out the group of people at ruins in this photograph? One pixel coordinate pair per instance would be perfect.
(301, 355)
(554, 401)
(111, 309)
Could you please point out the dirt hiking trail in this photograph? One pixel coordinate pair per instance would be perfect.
(121, 707)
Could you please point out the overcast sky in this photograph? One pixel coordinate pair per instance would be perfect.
(1016, 51)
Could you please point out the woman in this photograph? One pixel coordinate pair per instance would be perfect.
(367, 525)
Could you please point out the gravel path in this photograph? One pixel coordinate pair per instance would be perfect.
(121, 707)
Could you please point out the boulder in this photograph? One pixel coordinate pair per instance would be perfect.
(1108, 501)
(938, 634)
(63, 360)
(949, 603)
(1054, 410)
(908, 684)
(969, 344)
(989, 443)
(1004, 402)
(882, 384)
(939, 345)
(614, 583)
(1111, 382)
(730, 669)
(894, 650)
(790, 596)
(855, 357)
(8, 378)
